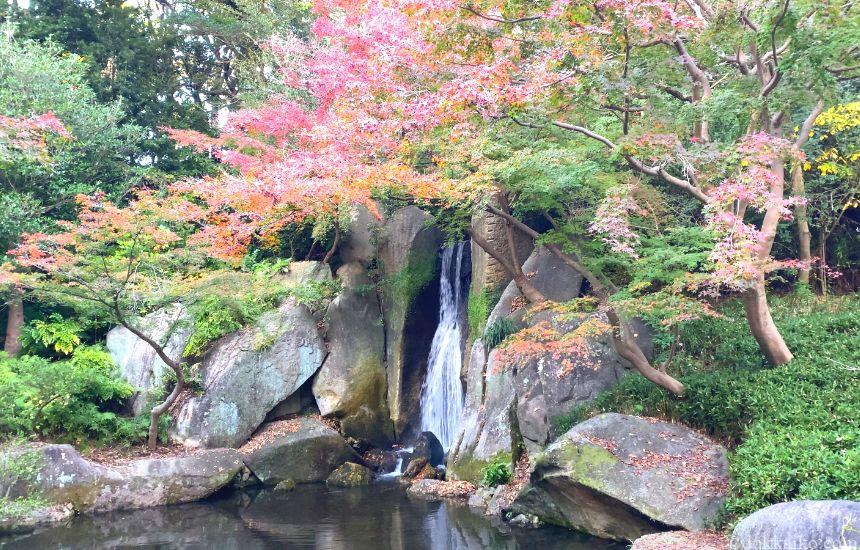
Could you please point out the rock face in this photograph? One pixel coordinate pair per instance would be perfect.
(488, 431)
(407, 252)
(807, 524)
(548, 387)
(551, 276)
(350, 475)
(304, 450)
(621, 477)
(247, 373)
(64, 477)
(351, 384)
(138, 363)
(359, 242)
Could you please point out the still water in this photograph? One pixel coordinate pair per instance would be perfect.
(377, 517)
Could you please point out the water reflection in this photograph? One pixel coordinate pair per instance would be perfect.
(379, 517)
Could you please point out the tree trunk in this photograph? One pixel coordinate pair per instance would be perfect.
(14, 324)
(528, 290)
(762, 326)
(625, 344)
(157, 411)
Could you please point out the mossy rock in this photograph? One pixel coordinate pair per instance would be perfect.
(350, 475)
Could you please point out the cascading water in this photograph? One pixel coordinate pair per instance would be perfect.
(442, 393)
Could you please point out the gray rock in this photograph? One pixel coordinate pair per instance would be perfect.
(682, 540)
(806, 524)
(304, 450)
(555, 279)
(486, 433)
(621, 477)
(359, 241)
(548, 388)
(64, 477)
(247, 373)
(350, 474)
(138, 363)
(298, 273)
(481, 498)
(351, 384)
(285, 486)
(408, 242)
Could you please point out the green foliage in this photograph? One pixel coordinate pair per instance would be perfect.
(71, 400)
(794, 429)
(496, 333)
(496, 473)
(232, 300)
(479, 307)
(405, 285)
(63, 335)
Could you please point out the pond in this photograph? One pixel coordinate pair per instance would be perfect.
(377, 517)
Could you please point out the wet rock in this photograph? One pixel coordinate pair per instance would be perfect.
(807, 524)
(407, 251)
(61, 476)
(434, 489)
(138, 363)
(247, 373)
(351, 384)
(522, 520)
(682, 540)
(621, 477)
(285, 486)
(350, 474)
(29, 519)
(486, 433)
(481, 498)
(428, 446)
(304, 450)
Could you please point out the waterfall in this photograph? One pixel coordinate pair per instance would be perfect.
(442, 393)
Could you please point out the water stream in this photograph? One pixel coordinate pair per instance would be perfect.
(442, 392)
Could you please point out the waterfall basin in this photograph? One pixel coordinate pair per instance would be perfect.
(375, 517)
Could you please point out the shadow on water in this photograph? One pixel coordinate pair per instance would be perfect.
(378, 517)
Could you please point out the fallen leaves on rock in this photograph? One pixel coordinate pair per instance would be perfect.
(682, 540)
(119, 456)
(269, 433)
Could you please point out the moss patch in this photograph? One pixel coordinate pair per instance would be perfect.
(472, 469)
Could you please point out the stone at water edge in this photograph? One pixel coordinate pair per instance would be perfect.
(428, 446)
(62, 476)
(806, 524)
(303, 449)
(621, 477)
(350, 474)
(285, 486)
(682, 540)
(436, 489)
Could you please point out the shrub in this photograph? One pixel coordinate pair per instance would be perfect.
(72, 400)
(479, 307)
(794, 430)
(63, 335)
(496, 333)
(496, 473)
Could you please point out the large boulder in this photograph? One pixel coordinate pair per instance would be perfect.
(806, 524)
(246, 373)
(621, 477)
(682, 540)
(304, 450)
(61, 476)
(359, 240)
(351, 384)
(550, 385)
(488, 431)
(407, 253)
(555, 279)
(138, 363)
(428, 447)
